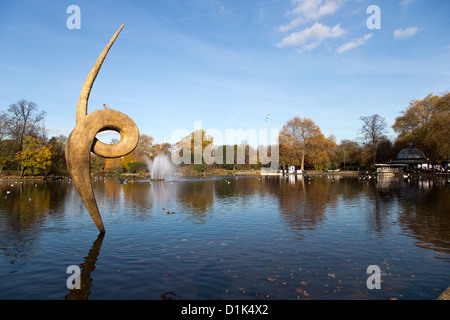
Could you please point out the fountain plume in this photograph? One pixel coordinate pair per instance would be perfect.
(161, 168)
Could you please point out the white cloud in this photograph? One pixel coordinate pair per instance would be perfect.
(309, 47)
(405, 33)
(310, 10)
(310, 38)
(353, 44)
(406, 2)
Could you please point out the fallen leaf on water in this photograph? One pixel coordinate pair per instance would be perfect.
(165, 275)
(169, 295)
(332, 275)
(299, 291)
(304, 283)
(271, 279)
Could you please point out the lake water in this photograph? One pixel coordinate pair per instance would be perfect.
(257, 238)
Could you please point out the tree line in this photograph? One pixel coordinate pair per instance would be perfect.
(425, 123)
(302, 144)
(26, 148)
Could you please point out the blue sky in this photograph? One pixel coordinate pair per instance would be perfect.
(226, 63)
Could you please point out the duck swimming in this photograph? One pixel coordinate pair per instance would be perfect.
(124, 181)
(168, 211)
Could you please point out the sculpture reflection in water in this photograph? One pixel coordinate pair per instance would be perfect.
(83, 139)
(86, 268)
(86, 280)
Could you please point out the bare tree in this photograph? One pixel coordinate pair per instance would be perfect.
(5, 145)
(24, 120)
(3, 126)
(372, 131)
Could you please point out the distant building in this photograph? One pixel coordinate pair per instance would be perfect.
(408, 158)
(389, 169)
(411, 157)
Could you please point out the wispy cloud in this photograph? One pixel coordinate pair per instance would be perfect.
(404, 3)
(310, 38)
(307, 12)
(354, 43)
(405, 33)
(310, 10)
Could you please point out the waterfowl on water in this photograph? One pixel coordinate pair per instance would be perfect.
(124, 181)
(168, 211)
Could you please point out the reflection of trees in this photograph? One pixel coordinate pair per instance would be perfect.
(137, 196)
(419, 205)
(380, 208)
(28, 202)
(111, 188)
(424, 205)
(196, 197)
(303, 201)
(27, 206)
(238, 187)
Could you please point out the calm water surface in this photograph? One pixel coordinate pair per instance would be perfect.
(230, 238)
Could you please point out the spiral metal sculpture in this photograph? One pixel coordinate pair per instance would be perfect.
(82, 140)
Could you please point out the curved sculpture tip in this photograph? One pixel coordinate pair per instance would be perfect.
(87, 86)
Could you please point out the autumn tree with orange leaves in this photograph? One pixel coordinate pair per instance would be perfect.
(302, 141)
(426, 123)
